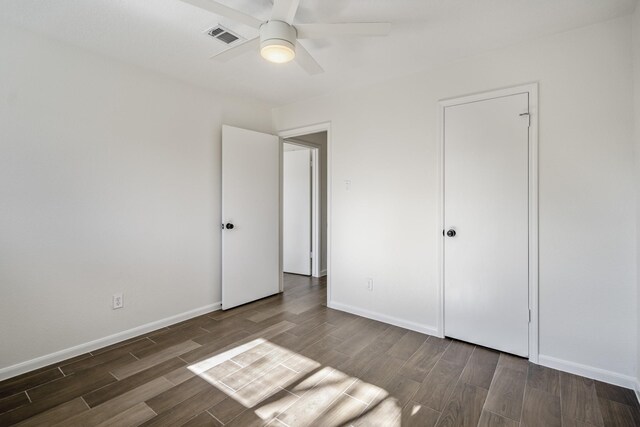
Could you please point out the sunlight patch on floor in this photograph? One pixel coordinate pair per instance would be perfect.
(207, 364)
(276, 382)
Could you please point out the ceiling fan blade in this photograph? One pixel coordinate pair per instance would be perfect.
(306, 61)
(226, 11)
(238, 50)
(284, 10)
(321, 31)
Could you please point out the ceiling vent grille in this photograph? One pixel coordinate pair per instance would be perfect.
(224, 35)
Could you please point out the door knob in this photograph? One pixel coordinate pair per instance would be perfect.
(451, 233)
(229, 226)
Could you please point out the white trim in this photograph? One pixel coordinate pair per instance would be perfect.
(589, 372)
(323, 272)
(59, 356)
(440, 225)
(316, 212)
(637, 390)
(280, 214)
(534, 349)
(532, 90)
(306, 130)
(418, 327)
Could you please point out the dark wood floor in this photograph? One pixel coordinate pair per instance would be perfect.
(290, 361)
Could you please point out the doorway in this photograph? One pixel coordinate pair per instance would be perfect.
(317, 138)
(299, 198)
(304, 204)
(489, 220)
(252, 178)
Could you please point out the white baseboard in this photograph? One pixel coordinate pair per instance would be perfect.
(322, 273)
(59, 356)
(425, 329)
(590, 372)
(637, 390)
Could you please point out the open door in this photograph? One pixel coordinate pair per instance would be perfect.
(250, 215)
(296, 215)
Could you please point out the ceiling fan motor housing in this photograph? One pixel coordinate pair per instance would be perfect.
(277, 33)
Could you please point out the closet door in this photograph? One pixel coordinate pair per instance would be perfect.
(486, 223)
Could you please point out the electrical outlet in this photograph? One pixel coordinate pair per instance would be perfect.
(118, 300)
(370, 284)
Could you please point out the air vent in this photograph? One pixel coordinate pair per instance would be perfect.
(215, 31)
(224, 35)
(227, 38)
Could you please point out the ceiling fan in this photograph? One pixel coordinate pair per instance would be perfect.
(278, 40)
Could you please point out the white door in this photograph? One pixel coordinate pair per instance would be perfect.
(250, 215)
(296, 215)
(486, 206)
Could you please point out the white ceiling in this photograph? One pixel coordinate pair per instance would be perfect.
(167, 36)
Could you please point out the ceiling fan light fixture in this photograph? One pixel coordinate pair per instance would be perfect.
(278, 51)
(277, 42)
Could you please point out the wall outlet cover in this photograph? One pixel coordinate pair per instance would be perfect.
(118, 300)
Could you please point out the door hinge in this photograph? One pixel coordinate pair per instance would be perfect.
(529, 315)
(311, 255)
(528, 118)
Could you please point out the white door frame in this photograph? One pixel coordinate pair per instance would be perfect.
(301, 131)
(315, 202)
(532, 90)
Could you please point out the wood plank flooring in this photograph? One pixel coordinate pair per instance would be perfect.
(288, 360)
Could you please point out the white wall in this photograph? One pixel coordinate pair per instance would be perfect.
(384, 139)
(109, 181)
(636, 83)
